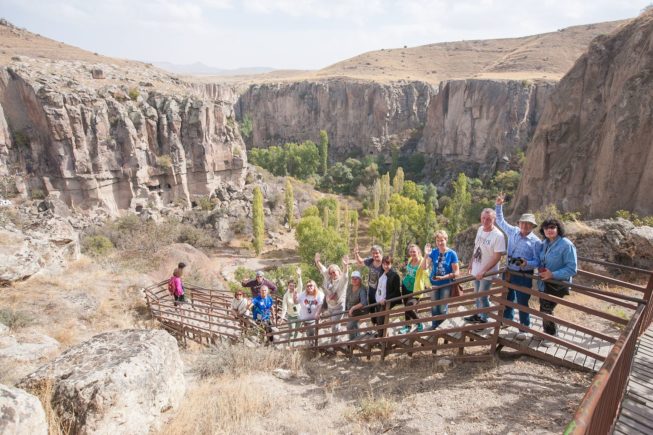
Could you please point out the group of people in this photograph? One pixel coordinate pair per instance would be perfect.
(553, 257)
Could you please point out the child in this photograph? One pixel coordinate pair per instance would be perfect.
(175, 285)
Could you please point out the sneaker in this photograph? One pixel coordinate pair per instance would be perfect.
(521, 336)
(405, 329)
(420, 327)
(472, 319)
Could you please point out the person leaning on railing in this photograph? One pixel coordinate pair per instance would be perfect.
(443, 263)
(411, 282)
(523, 256)
(356, 303)
(558, 261)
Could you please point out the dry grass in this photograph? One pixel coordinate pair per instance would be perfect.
(374, 410)
(45, 392)
(239, 359)
(224, 405)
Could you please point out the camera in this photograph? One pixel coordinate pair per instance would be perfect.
(519, 262)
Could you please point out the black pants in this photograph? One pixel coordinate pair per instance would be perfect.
(409, 300)
(267, 326)
(547, 306)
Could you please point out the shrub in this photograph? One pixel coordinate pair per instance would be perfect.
(15, 319)
(37, 194)
(205, 203)
(134, 94)
(165, 161)
(96, 246)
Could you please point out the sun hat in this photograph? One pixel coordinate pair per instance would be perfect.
(528, 217)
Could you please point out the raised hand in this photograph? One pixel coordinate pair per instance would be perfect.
(345, 259)
(501, 198)
(427, 249)
(317, 257)
(299, 271)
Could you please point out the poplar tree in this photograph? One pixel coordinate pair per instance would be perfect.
(354, 224)
(324, 152)
(346, 220)
(456, 210)
(398, 181)
(258, 224)
(385, 193)
(290, 204)
(325, 217)
(376, 198)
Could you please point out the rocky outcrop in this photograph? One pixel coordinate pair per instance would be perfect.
(360, 117)
(117, 382)
(116, 146)
(21, 413)
(592, 148)
(474, 126)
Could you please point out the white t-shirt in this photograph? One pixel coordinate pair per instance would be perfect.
(240, 306)
(381, 288)
(309, 304)
(487, 243)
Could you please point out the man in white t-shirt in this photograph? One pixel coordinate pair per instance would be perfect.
(489, 246)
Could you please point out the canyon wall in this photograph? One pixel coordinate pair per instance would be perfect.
(462, 125)
(66, 131)
(592, 151)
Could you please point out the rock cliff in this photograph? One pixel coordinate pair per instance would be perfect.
(360, 117)
(120, 137)
(592, 150)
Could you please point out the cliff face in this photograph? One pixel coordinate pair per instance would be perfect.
(472, 125)
(465, 125)
(360, 117)
(94, 142)
(592, 150)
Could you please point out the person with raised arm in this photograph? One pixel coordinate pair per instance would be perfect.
(255, 284)
(489, 246)
(523, 257)
(335, 290)
(445, 268)
(408, 285)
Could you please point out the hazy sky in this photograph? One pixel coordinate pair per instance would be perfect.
(302, 34)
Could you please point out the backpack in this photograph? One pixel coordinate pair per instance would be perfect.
(171, 285)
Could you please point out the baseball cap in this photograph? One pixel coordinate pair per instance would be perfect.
(259, 273)
(355, 274)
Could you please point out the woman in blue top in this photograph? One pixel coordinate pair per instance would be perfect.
(558, 262)
(263, 311)
(444, 268)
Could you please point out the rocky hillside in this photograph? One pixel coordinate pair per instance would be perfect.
(592, 150)
(117, 135)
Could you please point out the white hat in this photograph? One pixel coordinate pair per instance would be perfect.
(259, 273)
(356, 274)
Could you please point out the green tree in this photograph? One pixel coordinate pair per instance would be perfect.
(325, 217)
(346, 223)
(246, 126)
(382, 228)
(258, 224)
(313, 237)
(385, 193)
(338, 217)
(290, 203)
(398, 181)
(324, 152)
(376, 198)
(354, 224)
(413, 190)
(456, 210)
(332, 205)
(409, 218)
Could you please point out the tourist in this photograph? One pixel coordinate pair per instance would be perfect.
(445, 268)
(375, 270)
(335, 291)
(289, 309)
(310, 305)
(239, 305)
(176, 286)
(409, 284)
(255, 284)
(356, 303)
(389, 288)
(489, 246)
(523, 257)
(558, 261)
(263, 311)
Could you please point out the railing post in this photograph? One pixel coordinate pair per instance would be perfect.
(501, 307)
(648, 311)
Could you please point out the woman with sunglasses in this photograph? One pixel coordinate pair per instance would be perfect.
(410, 284)
(310, 304)
(558, 261)
(335, 290)
(443, 263)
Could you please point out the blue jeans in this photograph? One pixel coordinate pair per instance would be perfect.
(442, 293)
(480, 287)
(520, 297)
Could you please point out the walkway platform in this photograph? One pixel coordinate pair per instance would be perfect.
(636, 414)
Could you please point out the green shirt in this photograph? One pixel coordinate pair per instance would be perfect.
(409, 279)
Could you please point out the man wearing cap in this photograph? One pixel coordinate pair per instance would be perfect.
(255, 284)
(355, 303)
(523, 256)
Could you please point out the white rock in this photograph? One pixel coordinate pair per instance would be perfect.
(282, 374)
(27, 346)
(116, 382)
(21, 413)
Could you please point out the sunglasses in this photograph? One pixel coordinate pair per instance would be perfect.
(551, 227)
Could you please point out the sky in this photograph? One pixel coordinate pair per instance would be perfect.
(292, 34)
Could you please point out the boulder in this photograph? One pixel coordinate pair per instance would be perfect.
(116, 382)
(18, 260)
(21, 413)
(26, 346)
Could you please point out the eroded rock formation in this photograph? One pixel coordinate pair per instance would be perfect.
(120, 146)
(592, 151)
(117, 382)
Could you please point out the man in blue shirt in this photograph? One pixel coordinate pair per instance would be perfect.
(523, 256)
(263, 311)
